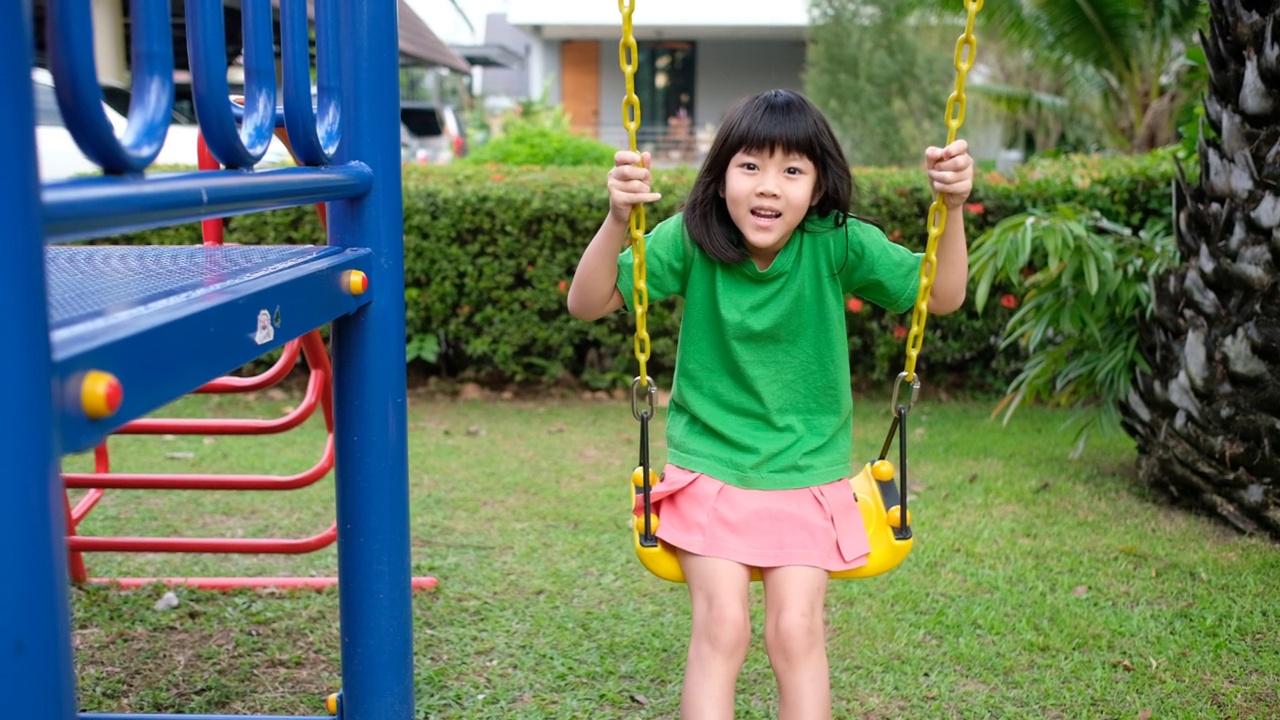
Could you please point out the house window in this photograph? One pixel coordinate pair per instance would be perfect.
(664, 83)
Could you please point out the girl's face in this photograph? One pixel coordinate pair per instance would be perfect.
(768, 195)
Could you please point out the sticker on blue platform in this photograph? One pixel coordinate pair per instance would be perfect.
(266, 333)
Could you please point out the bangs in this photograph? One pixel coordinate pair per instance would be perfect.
(778, 122)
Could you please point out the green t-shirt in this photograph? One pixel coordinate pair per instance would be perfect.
(761, 397)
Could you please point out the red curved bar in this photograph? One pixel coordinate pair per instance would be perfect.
(273, 546)
(281, 369)
(142, 481)
(319, 391)
(237, 583)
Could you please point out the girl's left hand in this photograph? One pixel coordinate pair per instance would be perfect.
(950, 171)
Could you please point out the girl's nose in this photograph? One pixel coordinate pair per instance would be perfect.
(768, 187)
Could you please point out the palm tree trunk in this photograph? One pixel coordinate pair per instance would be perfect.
(1206, 415)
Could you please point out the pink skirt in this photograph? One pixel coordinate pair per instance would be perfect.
(815, 526)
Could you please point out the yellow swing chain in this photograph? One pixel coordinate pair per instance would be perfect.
(628, 59)
(628, 55)
(966, 51)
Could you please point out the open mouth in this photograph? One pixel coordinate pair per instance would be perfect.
(765, 215)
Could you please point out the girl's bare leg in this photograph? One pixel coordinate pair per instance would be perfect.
(795, 638)
(720, 637)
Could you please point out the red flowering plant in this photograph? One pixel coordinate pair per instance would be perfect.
(1080, 284)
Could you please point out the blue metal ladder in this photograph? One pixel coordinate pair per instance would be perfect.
(160, 321)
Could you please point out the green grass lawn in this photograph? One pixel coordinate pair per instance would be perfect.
(1039, 587)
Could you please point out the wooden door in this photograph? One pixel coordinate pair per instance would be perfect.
(580, 84)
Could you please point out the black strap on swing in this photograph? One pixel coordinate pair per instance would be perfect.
(647, 538)
(899, 426)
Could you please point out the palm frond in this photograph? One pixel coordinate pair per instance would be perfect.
(1018, 100)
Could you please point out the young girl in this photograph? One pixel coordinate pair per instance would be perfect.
(760, 418)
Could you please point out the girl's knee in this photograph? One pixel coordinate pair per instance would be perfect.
(794, 634)
(723, 629)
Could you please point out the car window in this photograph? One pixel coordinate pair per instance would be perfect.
(423, 122)
(116, 98)
(184, 105)
(183, 112)
(47, 112)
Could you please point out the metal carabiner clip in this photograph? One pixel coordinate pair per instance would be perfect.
(651, 392)
(915, 391)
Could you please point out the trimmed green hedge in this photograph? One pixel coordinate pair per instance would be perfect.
(490, 250)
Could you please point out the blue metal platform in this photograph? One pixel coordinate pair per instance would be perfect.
(164, 320)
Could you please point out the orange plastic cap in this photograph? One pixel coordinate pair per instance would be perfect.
(101, 394)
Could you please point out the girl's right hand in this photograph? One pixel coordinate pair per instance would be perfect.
(629, 184)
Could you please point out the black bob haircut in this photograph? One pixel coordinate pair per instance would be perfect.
(775, 120)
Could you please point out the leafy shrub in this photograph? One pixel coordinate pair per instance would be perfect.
(1085, 285)
(536, 134)
(490, 251)
(545, 147)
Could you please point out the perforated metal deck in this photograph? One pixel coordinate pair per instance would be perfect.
(111, 284)
(164, 320)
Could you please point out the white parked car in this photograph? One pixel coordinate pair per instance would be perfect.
(60, 158)
(430, 133)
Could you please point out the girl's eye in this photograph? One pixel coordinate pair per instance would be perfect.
(794, 171)
(748, 166)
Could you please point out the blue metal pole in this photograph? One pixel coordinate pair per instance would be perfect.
(369, 381)
(37, 680)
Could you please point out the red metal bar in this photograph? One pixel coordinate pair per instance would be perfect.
(319, 391)
(316, 387)
(272, 546)
(75, 560)
(282, 367)
(210, 230)
(204, 481)
(86, 504)
(236, 583)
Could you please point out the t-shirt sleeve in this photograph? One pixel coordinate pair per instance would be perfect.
(666, 256)
(879, 270)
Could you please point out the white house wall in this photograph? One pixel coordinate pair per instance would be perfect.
(725, 72)
(728, 71)
(741, 48)
(658, 18)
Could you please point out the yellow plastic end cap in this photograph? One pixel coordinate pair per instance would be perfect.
(357, 282)
(894, 516)
(639, 522)
(882, 470)
(100, 394)
(637, 477)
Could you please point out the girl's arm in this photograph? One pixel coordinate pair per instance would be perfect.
(950, 171)
(594, 290)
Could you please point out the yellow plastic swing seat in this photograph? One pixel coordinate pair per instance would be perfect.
(871, 486)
